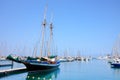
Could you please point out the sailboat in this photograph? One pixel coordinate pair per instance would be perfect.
(115, 62)
(41, 63)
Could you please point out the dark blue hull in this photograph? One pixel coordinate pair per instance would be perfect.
(115, 65)
(40, 66)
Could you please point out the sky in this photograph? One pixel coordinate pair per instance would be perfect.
(89, 26)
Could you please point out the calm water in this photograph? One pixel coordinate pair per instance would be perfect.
(92, 70)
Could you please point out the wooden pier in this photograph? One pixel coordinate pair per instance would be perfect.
(4, 73)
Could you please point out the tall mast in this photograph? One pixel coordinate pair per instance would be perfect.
(51, 34)
(35, 49)
(43, 31)
(116, 48)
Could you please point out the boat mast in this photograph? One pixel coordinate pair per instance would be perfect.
(43, 32)
(116, 48)
(51, 35)
(35, 50)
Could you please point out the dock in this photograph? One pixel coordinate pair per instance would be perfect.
(6, 64)
(2, 65)
(4, 73)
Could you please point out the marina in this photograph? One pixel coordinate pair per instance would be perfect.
(59, 40)
(95, 69)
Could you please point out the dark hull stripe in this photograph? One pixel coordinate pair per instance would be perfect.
(32, 67)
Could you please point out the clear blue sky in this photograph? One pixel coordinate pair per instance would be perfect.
(91, 26)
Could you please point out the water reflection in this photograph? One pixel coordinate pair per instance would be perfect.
(43, 75)
(116, 71)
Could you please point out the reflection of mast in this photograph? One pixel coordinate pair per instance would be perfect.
(43, 32)
(43, 75)
(51, 35)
